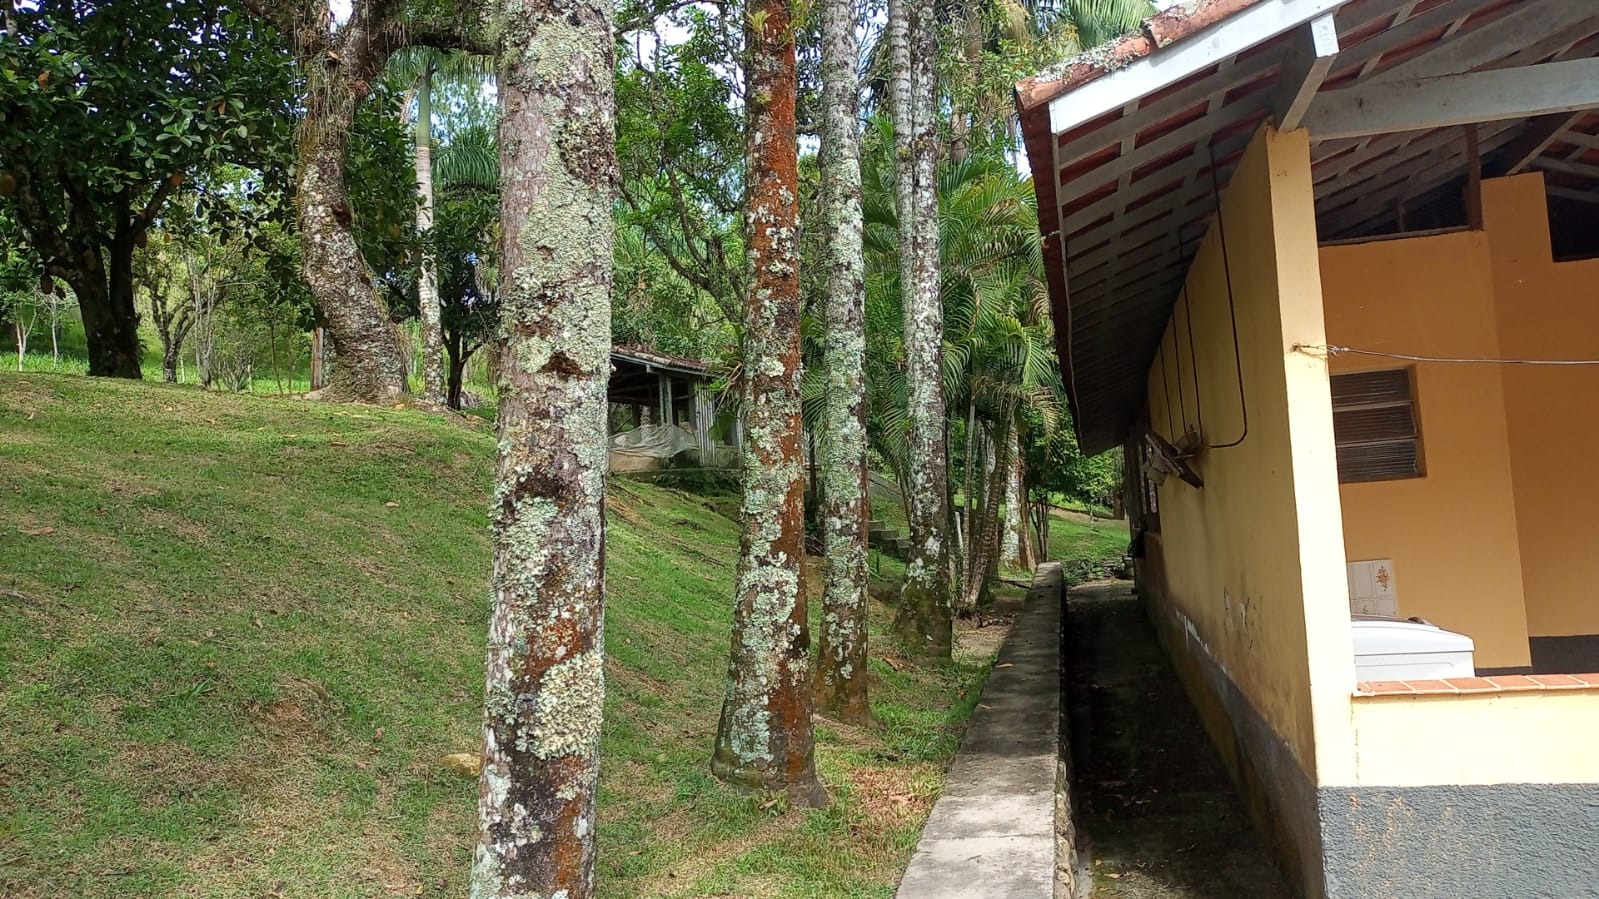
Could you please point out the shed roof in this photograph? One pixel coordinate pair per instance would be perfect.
(1130, 143)
(650, 359)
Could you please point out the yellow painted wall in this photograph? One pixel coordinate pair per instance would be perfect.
(1548, 310)
(1252, 562)
(1485, 738)
(1453, 533)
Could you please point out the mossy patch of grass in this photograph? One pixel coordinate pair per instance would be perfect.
(238, 634)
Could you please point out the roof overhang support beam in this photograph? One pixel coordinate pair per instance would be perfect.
(1533, 140)
(1231, 36)
(1461, 99)
(1525, 25)
(1315, 49)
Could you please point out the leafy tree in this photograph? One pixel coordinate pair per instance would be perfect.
(463, 240)
(144, 94)
(340, 65)
(992, 44)
(421, 68)
(680, 146)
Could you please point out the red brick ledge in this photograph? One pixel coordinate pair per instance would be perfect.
(1460, 686)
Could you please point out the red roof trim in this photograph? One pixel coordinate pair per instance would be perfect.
(1160, 30)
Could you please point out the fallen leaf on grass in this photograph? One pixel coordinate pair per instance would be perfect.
(392, 504)
(462, 763)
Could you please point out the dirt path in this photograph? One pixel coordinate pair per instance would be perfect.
(1157, 806)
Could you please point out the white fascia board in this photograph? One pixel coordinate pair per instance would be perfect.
(1170, 64)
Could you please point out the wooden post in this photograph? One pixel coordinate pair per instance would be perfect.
(702, 426)
(318, 378)
(664, 383)
(1473, 179)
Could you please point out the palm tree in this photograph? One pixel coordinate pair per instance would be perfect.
(841, 672)
(998, 38)
(424, 68)
(999, 364)
(923, 620)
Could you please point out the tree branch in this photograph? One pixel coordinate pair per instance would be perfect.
(438, 34)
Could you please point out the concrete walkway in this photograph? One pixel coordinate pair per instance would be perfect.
(992, 832)
(1152, 795)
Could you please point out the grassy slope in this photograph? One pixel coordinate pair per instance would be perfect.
(1077, 537)
(237, 635)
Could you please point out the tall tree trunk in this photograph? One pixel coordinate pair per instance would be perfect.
(427, 288)
(545, 680)
(841, 672)
(966, 516)
(989, 524)
(105, 300)
(923, 621)
(1015, 515)
(169, 359)
(764, 738)
(455, 357)
(338, 76)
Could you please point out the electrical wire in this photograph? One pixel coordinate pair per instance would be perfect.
(1193, 361)
(1165, 389)
(1332, 350)
(1177, 351)
(1232, 312)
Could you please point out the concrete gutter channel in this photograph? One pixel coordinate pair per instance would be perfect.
(1004, 826)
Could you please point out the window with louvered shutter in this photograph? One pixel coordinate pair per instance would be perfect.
(1375, 426)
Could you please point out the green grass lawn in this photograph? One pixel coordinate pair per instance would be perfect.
(1073, 537)
(237, 634)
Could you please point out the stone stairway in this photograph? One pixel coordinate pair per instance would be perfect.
(883, 538)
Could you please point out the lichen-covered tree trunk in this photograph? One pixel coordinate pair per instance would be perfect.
(427, 288)
(339, 70)
(545, 682)
(841, 672)
(923, 621)
(1015, 535)
(764, 738)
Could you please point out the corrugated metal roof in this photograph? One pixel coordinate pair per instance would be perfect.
(1132, 189)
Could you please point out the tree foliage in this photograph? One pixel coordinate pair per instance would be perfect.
(146, 94)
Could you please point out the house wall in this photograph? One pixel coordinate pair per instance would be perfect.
(1249, 565)
(1481, 793)
(1451, 534)
(1496, 541)
(1532, 737)
(1549, 310)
